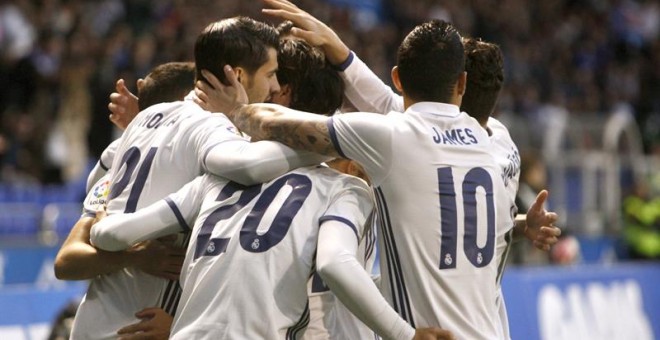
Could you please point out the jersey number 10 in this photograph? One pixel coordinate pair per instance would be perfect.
(478, 256)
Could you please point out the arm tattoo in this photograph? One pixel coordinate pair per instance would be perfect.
(268, 123)
(307, 135)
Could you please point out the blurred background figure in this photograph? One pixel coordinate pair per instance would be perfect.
(533, 179)
(642, 222)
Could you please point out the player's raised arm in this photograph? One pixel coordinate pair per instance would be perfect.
(123, 105)
(311, 29)
(364, 89)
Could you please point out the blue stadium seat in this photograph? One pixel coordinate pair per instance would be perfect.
(60, 217)
(25, 192)
(19, 219)
(5, 193)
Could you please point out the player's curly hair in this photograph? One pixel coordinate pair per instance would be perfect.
(484, 65)
(430, 60)
(314, 84)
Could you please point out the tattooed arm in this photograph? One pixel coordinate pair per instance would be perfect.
(296, 129)
(364, 137)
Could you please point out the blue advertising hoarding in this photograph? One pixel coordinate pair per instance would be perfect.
(619, 301)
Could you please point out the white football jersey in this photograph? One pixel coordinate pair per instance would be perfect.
(368, 93)
(329, 318)
(507, 155)
(103, 164)
(442, 204)
(96, 197)
(252, 250)
(162, 149)
(108, 155)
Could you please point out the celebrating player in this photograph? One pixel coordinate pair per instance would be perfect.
(168, 145)
(484, 65)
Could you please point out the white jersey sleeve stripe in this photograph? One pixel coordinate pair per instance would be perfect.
(400, 299)
(342, 220)
(333, 137)
(177, 213)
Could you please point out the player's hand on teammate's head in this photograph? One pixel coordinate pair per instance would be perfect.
(123, 105)
(433, 333)
(159, 258)
(214, 96)
(154, 324)
(310, 29)
(540, 228)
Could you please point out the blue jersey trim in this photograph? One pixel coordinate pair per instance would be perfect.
(296, 331)
(346, 63)
(103, 166)
(172, 295)
(370, 236)
(206, 153)
(333, 137)
(342, 220)
(177, 213)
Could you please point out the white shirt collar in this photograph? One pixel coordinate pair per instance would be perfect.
(436, 108)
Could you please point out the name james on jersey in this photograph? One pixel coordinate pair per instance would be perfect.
(463, 136)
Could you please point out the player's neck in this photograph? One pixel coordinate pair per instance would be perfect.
(408, 102)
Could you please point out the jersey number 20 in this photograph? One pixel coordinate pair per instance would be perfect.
(250, 239)
(478, 256)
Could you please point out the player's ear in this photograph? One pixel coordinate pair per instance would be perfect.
(240, 74)
(461, 83)
(283, 97)
(285, 90)
(140, 84)
(395, 79)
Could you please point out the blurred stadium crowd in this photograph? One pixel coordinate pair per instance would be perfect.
(59, 60)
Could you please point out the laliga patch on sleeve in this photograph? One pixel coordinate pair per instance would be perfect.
(97, 196)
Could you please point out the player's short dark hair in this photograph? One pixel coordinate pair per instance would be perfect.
(166, 83)
(315, 86)
(430, 61)
(284, 28)
(484, 65)
(238, 42)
